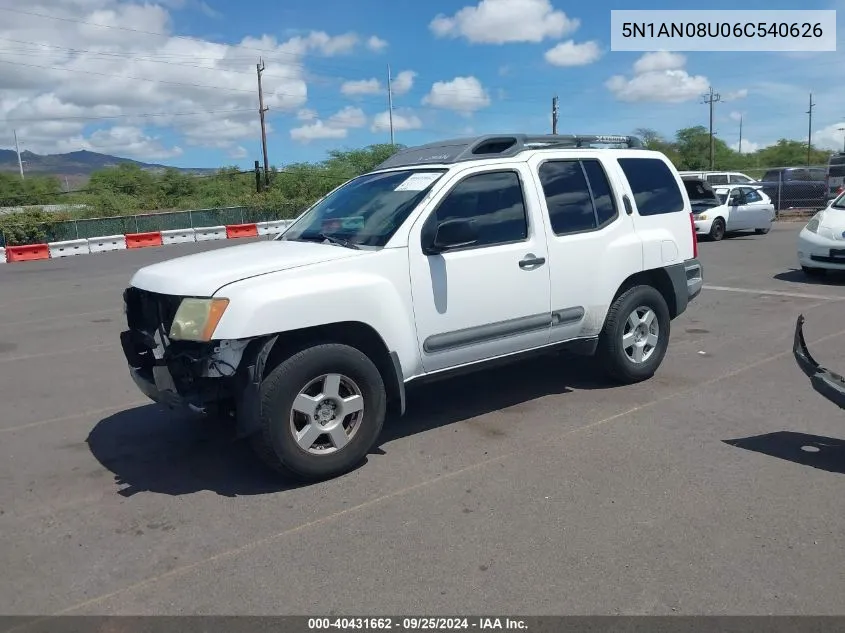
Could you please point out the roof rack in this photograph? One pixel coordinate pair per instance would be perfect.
(499, 146)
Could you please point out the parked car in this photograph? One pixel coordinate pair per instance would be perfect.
(821, 243)
(836, 175)
(445, 258)
(720, 210)
(826, 382)
(721, 177)
(796, 187)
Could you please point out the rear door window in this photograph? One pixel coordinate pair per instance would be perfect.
(653, 184)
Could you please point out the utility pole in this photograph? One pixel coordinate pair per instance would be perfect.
(554, 115)
(842, 129)
(740, 134)
(261, 110)
(810, 129)
(18, 150)
(257, 178)
(710, 99)
(390, 102)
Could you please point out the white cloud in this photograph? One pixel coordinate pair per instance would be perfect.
(238, 152)
(659, 77)
(401, 121)
(505, 21)
(403, 82)
(347, 118)
(335, 127)
(735, 116)
(376, 44)
(735, 95)
(462, 94)
(121, 140)
(316, 131)
(830, 137)
(89, 71)
(361, 87)
(748, 147)
(571, 54)
(659, 61)
(306, 114)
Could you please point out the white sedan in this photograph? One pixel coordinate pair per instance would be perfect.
(740, 208)
(821, 243)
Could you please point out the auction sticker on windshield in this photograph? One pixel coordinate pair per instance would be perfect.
(417, 182)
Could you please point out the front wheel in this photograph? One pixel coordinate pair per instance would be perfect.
(322, 410)
(717, 229)
(761, 231)
(635, 336)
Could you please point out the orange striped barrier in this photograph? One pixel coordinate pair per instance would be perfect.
(28, 253)
(143, 240)
(241, 230)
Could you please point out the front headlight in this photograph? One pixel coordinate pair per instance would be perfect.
(196, 319)
(702, 216)
(813, 224)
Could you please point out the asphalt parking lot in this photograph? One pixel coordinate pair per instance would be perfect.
(714, 488)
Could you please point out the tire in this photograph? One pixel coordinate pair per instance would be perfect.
(813, 272)
(612, 352)
(354, 375)
(717, 229)
(761, 231)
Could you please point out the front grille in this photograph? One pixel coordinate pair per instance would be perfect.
(148, 311)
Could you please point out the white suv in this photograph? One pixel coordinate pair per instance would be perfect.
(446, 257)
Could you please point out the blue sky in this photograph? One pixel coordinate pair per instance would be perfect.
(159, 86)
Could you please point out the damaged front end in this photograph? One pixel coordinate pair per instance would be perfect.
(829, 384)
(217, 376)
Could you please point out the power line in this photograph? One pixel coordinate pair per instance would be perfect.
(810, 129)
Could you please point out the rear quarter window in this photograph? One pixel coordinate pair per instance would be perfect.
(654, 185)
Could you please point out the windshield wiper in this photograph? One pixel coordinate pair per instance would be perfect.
(338, 241)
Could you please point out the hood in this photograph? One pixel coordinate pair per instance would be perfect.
(702, 205)
(203, 274)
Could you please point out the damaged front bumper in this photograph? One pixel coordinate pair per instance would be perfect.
(829, 384)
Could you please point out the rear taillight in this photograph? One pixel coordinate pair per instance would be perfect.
(694, 236)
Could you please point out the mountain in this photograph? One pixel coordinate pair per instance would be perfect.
(76, 167)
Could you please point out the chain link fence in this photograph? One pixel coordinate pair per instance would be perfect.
(793, 188)
(141, 223)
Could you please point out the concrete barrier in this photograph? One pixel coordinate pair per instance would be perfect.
(67, 248)
(274, 227)
(206, 233)
(178, 236)
(234, 231)
(28, 253)
(2, 255)
(107, 243)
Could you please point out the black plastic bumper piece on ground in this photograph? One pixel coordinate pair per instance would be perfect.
(829, 384)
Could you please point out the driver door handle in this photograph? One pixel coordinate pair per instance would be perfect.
(531, 260)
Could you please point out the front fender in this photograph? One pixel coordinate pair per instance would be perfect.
(375, 292)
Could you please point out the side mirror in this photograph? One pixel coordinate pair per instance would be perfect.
(452, 234)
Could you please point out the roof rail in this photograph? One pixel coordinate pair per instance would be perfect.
(499, 146)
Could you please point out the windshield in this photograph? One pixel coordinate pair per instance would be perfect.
(366, 211)
(723, 197)
(839, 203)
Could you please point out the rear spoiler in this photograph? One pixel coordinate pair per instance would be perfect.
(829, 384)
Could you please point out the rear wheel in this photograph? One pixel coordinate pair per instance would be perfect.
(717, 229)
(813, 272)
(322, 410)
(635, 336)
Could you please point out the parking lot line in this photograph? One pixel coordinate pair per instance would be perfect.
(73, 416)
(404, 491)
(105, 347)
(777, 293)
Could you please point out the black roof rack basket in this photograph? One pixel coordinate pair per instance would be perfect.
(499, 146)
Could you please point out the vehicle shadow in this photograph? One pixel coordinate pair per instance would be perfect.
(795, 275)
(823, 453)
(152, 449)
